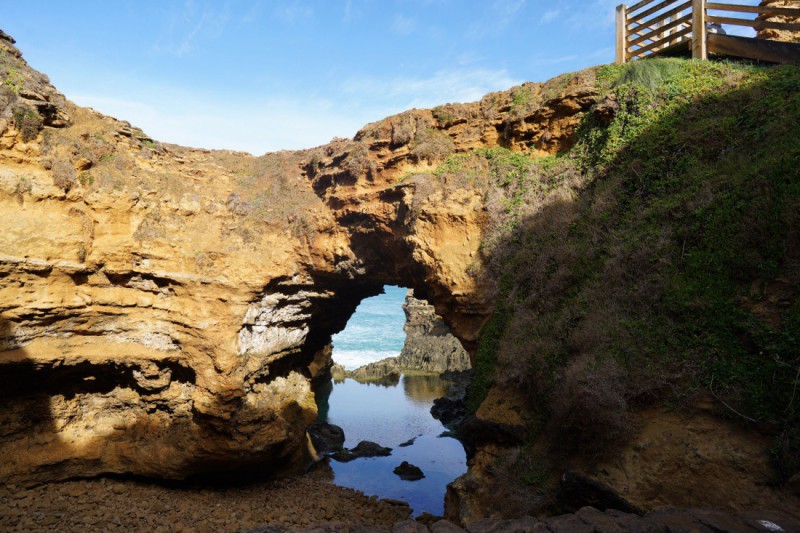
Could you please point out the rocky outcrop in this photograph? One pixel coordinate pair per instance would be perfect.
(364, 448)
(164, 309)
(775, 34)
(586, 520)
(429, 346)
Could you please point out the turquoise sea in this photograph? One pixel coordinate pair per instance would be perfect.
(374, 332)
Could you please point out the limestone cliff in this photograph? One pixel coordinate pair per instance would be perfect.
(612, 247)
(161, 305)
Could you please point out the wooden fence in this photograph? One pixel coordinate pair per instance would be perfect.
(673, 27)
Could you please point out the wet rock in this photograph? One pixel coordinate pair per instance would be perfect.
(449, 411)
(409, 442)
(568, 523)
(474, 432)
(409, 472)
(364, 448)
(428, 519)
(600, 520)
(326, 437)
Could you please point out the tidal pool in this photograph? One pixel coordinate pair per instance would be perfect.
(392, 413)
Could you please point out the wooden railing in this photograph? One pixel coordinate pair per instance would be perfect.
(653, 27)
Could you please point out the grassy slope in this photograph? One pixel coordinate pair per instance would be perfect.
(640, 267)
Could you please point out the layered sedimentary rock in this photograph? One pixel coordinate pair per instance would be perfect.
(164, 309)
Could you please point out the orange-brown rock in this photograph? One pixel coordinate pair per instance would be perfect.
(779, 34)
(164, 309)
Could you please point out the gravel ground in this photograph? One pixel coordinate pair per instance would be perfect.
(116, 505)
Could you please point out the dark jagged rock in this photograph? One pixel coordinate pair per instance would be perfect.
(364, 448)
(409, 472)
(587, 519)
(450, 411)
(577, 491)
(326, 437)
(474, 432)
(429, 345)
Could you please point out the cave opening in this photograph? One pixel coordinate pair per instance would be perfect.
(393, 360)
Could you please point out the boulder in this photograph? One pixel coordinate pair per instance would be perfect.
(326, 438)
(409, 472)
(364, 448)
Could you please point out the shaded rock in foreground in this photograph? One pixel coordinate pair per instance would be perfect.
(326, 437)
(364, 448)
(409, 472)
(588, 519)
(577, 491)
(449, 411)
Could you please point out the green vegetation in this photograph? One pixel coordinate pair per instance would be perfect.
(28, 121)
(655, 262)
(13, 80)
(432, 145)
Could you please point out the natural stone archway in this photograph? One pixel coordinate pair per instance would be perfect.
(164, 309)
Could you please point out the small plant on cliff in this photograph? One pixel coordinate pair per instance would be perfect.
(432, 145)
(63, 173)
(28, 122)
(13, 80)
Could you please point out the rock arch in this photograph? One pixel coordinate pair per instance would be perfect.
(177, 302)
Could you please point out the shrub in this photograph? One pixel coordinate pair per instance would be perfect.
(63, 173)
(432, 145)
(402, 129)
(588, 407)
(28, 122)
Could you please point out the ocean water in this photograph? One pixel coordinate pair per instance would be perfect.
(374, 332)
(390, 413)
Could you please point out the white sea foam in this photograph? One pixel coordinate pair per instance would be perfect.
(352, 359)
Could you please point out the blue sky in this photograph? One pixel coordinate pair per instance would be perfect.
(286, 74)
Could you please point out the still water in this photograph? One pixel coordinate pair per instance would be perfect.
(391, 414)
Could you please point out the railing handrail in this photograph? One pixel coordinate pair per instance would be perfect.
(639, 36)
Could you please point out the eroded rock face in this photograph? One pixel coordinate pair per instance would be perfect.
(429, 346)
(163, 309)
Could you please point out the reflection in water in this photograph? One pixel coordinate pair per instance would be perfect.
(391, 415)
(424, 388)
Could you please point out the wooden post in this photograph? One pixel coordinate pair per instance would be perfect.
(622, 34)
(699, 32)
(673, 18)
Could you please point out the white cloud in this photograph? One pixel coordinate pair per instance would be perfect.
(255, 126)
(451, 85)
(269, 123)
(402, 25)
(294, 12)
(550, 16)
(183, 26)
